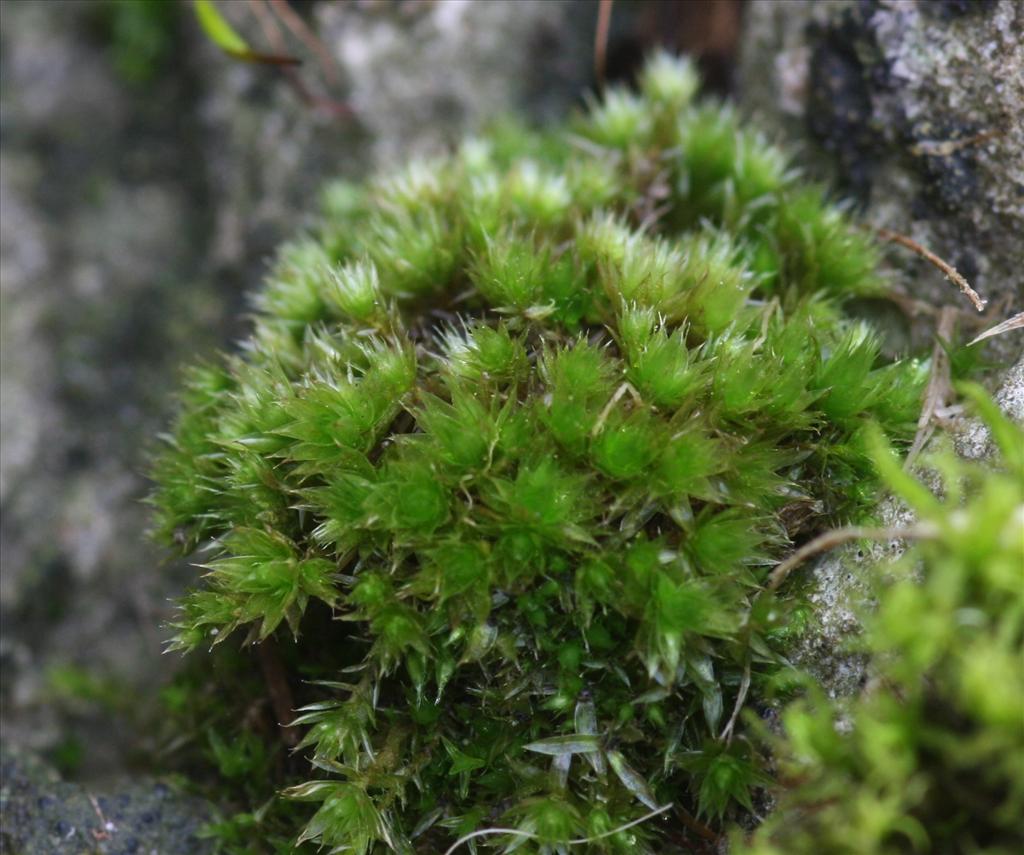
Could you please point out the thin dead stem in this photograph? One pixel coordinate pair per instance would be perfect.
(948, 270)
(603, 417)
(837, 537)
(944, 148)
(696, 826)
(301, 30)
(272, 32)
(280, 692)
(103, 832)
(529, 835)
(741, 696)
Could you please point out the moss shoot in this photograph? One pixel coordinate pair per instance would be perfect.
(501, 472)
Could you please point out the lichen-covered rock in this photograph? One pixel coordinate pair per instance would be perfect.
(909, 109)
(43, 815)
(839, 593)
(915, 109)
(972, 437)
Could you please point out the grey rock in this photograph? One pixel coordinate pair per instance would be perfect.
(840, 593)
(415, 78)
(43, 815)
(93, 252)
(135, 218)
(972, 437)
(412, 97)
(915, 110)
(840, 588)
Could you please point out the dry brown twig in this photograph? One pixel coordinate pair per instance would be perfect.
(103, 832)
(272, 32)
(301, 30)
(948, 269)
(696, 826)
(277, 687)
(837, 537)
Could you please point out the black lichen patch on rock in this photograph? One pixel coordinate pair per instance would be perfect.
(839, 106)
(950, 9)
(913, 107)
(946, 158)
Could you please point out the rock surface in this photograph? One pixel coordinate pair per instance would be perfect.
(144, 181)
(44, 815)
(913, 109)
(972, 438)
(839, 588)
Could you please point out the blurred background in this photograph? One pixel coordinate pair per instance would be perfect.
(145, 177)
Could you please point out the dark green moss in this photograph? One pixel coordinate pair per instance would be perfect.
(530, 422)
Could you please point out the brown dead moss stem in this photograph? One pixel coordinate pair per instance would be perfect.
(948, 269)
(604, 19)
(837, 537)
(280, 692)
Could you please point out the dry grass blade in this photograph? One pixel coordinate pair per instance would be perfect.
(579, 841)
(1014, 323)
(940, 384)
(741, 696)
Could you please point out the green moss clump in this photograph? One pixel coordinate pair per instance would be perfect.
(529, 423)
(930, 756)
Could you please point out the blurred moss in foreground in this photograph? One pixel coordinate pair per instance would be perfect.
(930, 758)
